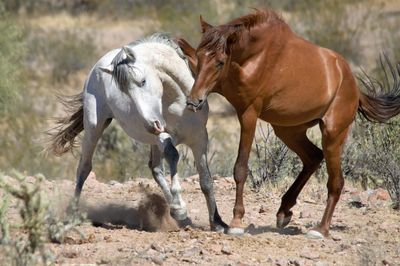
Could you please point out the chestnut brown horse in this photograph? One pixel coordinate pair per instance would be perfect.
(266, 71)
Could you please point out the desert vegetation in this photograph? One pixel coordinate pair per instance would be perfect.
(47, 48)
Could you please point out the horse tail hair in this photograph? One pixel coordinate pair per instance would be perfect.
(381, 100)
(63, 136)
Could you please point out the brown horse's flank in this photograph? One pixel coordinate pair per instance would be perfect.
(266, 71)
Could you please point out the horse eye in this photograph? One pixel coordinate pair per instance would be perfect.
(219, 64)
(142, 83)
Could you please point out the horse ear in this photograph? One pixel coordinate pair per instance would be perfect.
(189, 52)
(129, 53)
(204, 25)
(107, 69)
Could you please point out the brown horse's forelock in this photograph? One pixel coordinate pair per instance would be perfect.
(215, 39)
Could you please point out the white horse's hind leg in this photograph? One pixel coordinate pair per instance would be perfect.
(92, 134)
(157, 170)
(177, 205)
(199, 149)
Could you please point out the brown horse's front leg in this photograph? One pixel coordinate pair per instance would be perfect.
(248, 124)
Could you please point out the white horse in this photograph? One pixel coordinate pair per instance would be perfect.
(144, 87)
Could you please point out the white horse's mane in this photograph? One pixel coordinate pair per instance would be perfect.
(120, 61)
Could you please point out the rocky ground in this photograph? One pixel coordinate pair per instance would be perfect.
(365, 230)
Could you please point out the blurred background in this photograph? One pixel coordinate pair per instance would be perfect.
(48, 47)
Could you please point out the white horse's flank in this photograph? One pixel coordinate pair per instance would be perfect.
(144, 87)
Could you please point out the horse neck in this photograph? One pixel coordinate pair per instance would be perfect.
(269, 39)
(176, 76)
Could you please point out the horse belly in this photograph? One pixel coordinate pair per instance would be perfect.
(296, 109)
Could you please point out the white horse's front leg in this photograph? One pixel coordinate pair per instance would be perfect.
(157, 170)
(177, 205)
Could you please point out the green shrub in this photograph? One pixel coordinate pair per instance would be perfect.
(38, 223)
(64, 53)
(12, 53)
(332, 24)
(272, 160)
(119, 157)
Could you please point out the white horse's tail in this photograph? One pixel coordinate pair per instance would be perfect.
(64, 134)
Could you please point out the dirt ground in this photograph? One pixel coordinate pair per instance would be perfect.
(365, 230)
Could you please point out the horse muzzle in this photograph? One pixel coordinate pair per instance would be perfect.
(156, 127)
(195, 105)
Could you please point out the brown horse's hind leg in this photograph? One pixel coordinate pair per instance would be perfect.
(311, 156)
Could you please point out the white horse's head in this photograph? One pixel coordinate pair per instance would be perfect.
(141, 83)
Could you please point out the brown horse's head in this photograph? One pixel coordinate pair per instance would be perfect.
(209, 58)
(217, 49)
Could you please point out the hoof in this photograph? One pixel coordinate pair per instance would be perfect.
(314, 234)
(235, 231)
(218, 228)
(179, 214)
(281, 222)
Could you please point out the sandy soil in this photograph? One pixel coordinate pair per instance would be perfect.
(365, 230)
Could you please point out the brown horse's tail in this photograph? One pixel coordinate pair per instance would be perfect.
(381, 101)
(64, 134)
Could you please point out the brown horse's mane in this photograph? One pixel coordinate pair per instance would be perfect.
(216, 38)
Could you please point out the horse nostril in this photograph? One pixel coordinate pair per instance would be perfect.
(158, 127)
(200, 101)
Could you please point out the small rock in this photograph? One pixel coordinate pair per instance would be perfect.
(281, 262)
(262, 209)
(305, 214)
(336, 238)
(69, 254)
(215, 248)
(184, 235)
(104, 261)
(152, 253)
(321, 263)
(226, 249)
(191, 252)
(295, 262)
(379, 194)
(108, 239)
(113, 182)
(157, 247)
(309, 255)
(159, 260)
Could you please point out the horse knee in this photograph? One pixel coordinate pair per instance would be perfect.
(240, 172)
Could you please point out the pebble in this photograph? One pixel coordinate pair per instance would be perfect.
(321, 263)
(309, 255)
(226, 249)
(191, 252)
(305, 214)
(159, 260)
(157, 247)
(281, 262)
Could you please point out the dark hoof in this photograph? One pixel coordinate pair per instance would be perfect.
(220, 227)
(185, 222)
(282, 221)
(179, 214)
